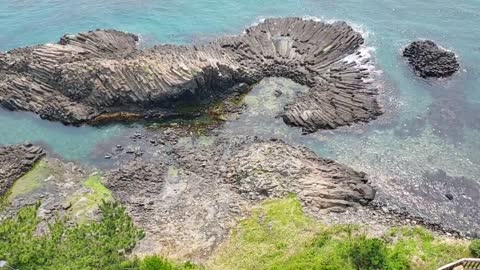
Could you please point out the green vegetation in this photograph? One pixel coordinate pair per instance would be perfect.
(279, 236)
(94, 182)
(31, 180)
(158, 263)
(83, 205)
(423, 250)
(475, 248)
(27, 183)
(99, 245)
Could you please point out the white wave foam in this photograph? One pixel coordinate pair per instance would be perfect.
(363, 55)
(355, 26)
(259, 20)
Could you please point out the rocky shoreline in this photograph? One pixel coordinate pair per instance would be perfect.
(187, 195)
(188, 190)
(102, 75)
(188, 198)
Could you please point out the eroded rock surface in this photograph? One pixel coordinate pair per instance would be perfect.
(15, 161)
(101, 75)
(194, 191)
(429, 60)
(273, 169)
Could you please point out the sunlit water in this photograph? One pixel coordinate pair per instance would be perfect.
(411, 138)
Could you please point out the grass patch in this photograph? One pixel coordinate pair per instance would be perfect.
(422, 249)
(475, 248)
(279, 236)
(158, 263)
(30, 181)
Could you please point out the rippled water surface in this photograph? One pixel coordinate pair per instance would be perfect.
(429, 125)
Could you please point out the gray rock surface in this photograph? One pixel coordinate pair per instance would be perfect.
(273, 169)
(15, 161)
(189, 197)
(102, 76)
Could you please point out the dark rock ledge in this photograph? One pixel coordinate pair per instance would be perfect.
(15, 161)
(101, 75)
(429, 60)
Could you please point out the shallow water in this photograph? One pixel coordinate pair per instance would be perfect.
(429, 125)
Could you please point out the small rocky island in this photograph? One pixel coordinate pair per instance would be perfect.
(430, 60)
(101, 76)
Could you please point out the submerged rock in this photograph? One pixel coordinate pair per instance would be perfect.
(15, 161)
(103, 76)
(429, 60)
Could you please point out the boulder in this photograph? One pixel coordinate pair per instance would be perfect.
(430, 60)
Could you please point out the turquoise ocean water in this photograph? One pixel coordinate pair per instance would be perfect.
(430, 125)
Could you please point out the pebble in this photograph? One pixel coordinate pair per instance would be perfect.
(66, 205)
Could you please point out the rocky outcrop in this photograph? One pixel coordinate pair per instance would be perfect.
(274, 169)
(429, 60)
(102, 73)
(15, 161)
(191, 194)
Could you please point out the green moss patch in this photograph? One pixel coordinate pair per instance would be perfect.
(31, 181)
(83, 205)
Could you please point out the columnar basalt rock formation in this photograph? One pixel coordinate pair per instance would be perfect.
(273, 169)
(429, 60)
(15, 161)
(102, 73)
(189, 196)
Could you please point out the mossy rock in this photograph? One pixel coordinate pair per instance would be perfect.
(83, 205)
(32, 180)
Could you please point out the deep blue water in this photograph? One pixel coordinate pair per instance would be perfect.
(410, 139)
